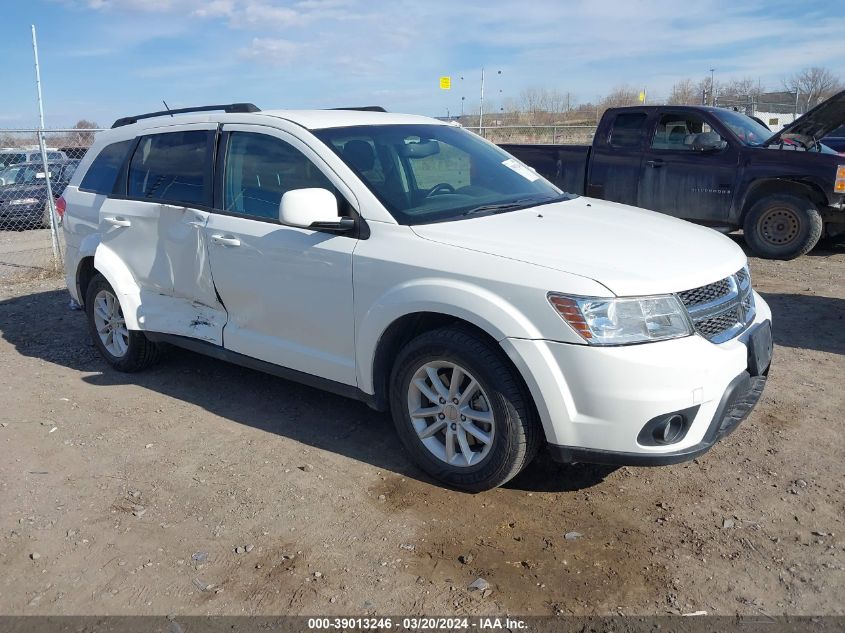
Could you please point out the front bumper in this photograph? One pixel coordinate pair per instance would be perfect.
(740, 398)
(593, 402)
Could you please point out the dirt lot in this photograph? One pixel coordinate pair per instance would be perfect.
(129, 494)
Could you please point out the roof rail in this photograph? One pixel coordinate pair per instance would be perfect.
(363, 109)
(230, 108)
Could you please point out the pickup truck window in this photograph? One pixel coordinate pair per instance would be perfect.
(677, 131)
(627, 129)
(436, 173)
(746, 129)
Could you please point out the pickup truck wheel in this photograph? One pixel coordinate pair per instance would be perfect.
(783, 226)
(124, 349)
(461, 411)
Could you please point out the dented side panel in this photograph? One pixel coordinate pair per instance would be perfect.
(164, 247)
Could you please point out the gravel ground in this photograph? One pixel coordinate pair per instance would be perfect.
(199, 487)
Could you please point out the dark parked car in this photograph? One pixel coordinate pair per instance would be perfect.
(712, 166)
(23, 204)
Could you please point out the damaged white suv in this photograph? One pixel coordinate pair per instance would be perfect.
(415, 266)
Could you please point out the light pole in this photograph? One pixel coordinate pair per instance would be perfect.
(481, 106)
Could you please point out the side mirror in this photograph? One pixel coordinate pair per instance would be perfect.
(312, 209)
(708, 142)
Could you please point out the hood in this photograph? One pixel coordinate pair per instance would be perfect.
(817, 123)
(630, 251)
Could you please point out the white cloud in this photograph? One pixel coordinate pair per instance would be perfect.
(272, 51)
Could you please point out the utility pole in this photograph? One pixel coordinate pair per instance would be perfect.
(51, 204)
(712, 87)
(481, 106)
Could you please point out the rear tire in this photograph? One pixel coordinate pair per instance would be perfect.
(782, 226)
(126, 350)
(484, 454)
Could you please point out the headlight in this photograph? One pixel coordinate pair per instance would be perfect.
(602, 321)
(20, 201)
(839, 183)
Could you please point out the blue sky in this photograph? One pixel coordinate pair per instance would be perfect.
(106, 58)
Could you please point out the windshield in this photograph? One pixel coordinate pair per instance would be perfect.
(435, 173)
(745, 128)
(7, 176)
(31, 173)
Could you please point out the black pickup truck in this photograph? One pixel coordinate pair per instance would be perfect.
(715, 167)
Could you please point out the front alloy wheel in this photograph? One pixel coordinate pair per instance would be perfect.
(461, 409)
(451, 413)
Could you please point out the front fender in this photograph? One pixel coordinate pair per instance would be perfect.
(462, 300)
(110, 266)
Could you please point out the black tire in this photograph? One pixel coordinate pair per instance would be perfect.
(140, 352)
(783, 226)
(517, 433)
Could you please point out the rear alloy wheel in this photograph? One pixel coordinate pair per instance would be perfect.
(124, 349)
(461, 409)
(783, 226)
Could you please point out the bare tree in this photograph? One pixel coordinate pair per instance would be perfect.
(621, 96)
(813, 85)
(685, 92)
(82, 137)
(542, 106)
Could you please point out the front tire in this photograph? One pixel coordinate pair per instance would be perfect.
(782, 226)
(461, 410)
(126, 350)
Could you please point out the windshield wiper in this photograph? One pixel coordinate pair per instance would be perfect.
(516, 204)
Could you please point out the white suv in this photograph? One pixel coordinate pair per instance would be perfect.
(415, 266)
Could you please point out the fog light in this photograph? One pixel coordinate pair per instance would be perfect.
(668, 428)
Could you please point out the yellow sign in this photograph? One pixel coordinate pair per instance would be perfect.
(642, 97)
(445, 83)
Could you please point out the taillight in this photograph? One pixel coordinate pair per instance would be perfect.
(61, 205)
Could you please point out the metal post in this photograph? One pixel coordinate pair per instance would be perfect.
(481, 106)
(51, 203)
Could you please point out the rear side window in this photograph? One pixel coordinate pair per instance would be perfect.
(103, 171)
(174, 168)
(627, 129)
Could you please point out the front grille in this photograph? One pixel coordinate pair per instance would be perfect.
(721, 310)
(705, 294)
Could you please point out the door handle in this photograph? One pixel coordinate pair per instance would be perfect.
(226, 240)
(117, 221)
(654, 163)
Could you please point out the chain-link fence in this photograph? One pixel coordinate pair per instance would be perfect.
(30, 237)
(537, 134)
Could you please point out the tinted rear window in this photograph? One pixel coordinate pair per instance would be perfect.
(174, 167)
(103, 171)
(627, 128)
